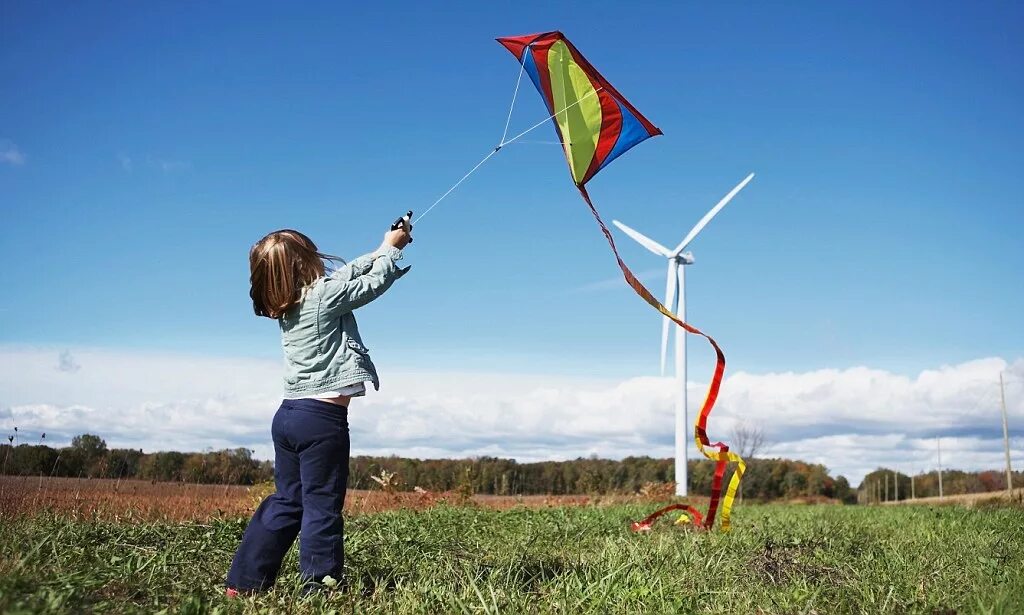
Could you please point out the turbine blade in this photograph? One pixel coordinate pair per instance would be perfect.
(671, 285)
(711, 214)
(643, 240)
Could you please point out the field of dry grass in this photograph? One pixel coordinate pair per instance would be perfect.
(120, 499)
(110, 499)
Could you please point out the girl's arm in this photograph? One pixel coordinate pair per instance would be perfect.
(367, 277)
(354, 268)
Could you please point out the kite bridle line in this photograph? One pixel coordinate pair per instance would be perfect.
(508, 120)
(503, 143)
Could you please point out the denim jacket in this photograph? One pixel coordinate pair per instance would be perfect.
(322, 347)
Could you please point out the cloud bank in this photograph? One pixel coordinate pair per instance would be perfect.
(851, 420)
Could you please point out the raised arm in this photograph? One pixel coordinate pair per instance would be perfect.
(367, 277)
(354, 268)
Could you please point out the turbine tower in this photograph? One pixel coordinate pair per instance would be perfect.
(675, 301)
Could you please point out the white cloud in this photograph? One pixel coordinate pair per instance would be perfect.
(10, 154)
(851, 420)
(168, 166)
(66, 362)
(128, 164)
(647, 276)
(861, 453)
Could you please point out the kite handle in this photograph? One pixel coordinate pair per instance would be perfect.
(404, 223)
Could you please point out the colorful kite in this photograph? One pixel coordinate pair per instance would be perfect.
(596, 125)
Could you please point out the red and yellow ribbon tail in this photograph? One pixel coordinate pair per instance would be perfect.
(646, 524)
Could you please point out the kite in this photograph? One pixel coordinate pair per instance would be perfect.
(595, 125)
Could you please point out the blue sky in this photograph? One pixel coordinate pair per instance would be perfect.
(145, 146)
(160, 140)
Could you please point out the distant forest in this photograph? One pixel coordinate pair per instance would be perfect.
(766, 479)
(885, 485)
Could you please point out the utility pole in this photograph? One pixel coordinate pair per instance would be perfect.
(912, 495)
(886, 477)
(1006, 436)
(896, 485)
(938, 444)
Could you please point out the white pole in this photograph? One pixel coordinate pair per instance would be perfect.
(1006, 436)
(682, 418)
(938, 444)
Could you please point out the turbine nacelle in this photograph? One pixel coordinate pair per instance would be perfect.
(686, 258)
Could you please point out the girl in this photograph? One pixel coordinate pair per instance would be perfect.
(326, 365)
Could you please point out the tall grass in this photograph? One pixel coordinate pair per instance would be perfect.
(779, 559)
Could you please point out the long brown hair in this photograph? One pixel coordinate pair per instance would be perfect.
(280, 266)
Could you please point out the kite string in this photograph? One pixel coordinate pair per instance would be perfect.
(508, 120)
(456, 184)
(497, 148)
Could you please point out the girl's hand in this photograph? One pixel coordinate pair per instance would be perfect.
(398, 239)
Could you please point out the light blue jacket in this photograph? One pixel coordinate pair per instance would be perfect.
(322, 347)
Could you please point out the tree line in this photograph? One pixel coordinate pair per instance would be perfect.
(765, 479)
(885, 485)
(89, 457)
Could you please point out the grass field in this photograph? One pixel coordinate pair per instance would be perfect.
(558, 559)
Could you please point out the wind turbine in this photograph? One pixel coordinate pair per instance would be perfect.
(675, 301)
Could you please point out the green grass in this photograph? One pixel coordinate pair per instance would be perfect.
(778, 559)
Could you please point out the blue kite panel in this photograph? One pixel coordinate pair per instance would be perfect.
(632, 133)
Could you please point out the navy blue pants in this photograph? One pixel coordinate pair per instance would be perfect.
(311, 449)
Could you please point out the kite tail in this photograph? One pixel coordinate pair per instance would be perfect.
(722, 456)
(648, 521)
